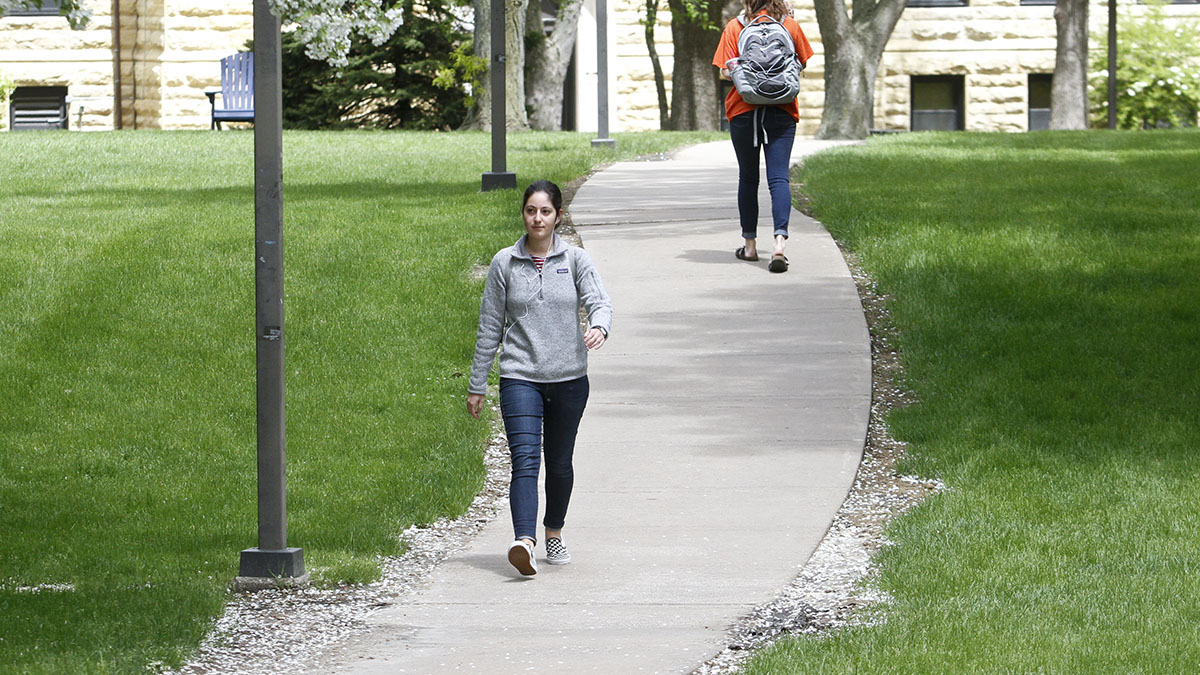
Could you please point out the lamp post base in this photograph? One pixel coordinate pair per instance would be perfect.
(604, 142)
(499, 180)
(271, 568)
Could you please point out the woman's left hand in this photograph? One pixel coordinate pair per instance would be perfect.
(594, 338)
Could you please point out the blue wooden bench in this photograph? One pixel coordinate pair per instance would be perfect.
(237, 90)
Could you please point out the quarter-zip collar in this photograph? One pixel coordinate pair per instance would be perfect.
(557, 247)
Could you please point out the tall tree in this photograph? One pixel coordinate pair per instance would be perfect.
(1068, 92)
(547, 57)
(514, 67)
(695, 87)
(480, 116)
(853, 46)
(514, 64)
(660, 85)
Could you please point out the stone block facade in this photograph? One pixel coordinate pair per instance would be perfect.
(993, 45)
(636, 105)
(169, 52)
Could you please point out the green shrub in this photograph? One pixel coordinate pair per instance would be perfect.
(1158, 71)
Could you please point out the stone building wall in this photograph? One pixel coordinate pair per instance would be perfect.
(169, 54)
(636, 101)
(43, 51)
(994, 44)
(170, 50)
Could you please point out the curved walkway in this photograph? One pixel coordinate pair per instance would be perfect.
(727, 418)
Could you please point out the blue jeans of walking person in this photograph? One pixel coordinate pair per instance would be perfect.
(747, 132)
(532, 410)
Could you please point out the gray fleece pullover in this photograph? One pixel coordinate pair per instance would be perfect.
(535, 315)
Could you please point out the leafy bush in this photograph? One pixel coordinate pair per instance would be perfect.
(1158, 71)
(395, 85)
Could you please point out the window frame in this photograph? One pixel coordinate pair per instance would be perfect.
(939, 3)
(48, 8)
(958, 94)
(1029, 109)
(60, 95)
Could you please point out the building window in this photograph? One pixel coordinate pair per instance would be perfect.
(38, 108)
(1039, 101)
(941, 3)
(937, 103)
(48, 8)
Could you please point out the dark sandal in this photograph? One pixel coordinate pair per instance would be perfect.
(779, 263)
(741, 255)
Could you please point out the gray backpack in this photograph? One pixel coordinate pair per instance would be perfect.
(767, 71)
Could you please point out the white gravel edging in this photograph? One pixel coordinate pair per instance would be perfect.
(277, 631)
(834, 587)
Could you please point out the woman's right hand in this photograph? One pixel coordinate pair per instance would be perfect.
(475, 404)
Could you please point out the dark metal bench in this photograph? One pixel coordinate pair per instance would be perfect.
(38, 108)
(237, 90)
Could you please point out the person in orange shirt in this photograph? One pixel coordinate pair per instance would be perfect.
(773, 128)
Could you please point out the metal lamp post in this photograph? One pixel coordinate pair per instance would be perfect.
(272, 562)
(498, 178)
(602, 139)
(1112, 64)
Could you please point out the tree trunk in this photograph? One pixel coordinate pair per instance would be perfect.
(695, 86)
(514, 71)
(480, 116)
(1068, 92)
(548, 66)
(853, 48)
(514, 55)
(849, 92)
(660, 85)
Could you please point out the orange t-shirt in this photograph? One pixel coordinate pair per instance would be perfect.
(728, 49)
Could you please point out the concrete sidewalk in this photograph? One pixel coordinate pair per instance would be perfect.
(727, 418)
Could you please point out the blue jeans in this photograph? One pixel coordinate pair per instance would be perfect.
(780, 132)
(528, 409)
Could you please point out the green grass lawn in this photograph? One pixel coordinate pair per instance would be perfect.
(1044, 288)
(127, 422)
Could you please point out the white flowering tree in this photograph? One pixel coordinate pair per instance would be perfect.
(325, 26)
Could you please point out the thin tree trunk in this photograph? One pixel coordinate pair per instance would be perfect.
(480, 116)
(660, 85)
(548, 67)
(1068, 92)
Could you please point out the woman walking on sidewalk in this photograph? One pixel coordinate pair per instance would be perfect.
(771, 127)
(531, 306)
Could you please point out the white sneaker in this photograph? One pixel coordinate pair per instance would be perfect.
(520, 554)
(556, 552)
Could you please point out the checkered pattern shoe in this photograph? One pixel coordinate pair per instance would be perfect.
(556, 552)
(520, 554)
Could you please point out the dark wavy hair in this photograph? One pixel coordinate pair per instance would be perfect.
(551, 190)
(775, 8)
